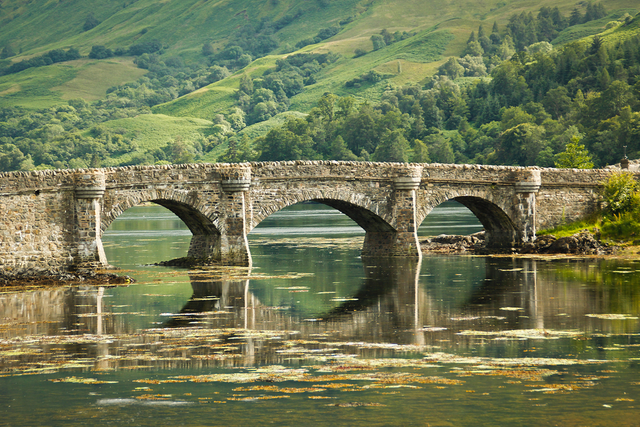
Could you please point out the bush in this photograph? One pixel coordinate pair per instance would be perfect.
(100, 52)
(620, 194)
(359, 52)
(145, 47)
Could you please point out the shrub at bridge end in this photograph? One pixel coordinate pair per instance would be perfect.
(621, 208)
(618, 220)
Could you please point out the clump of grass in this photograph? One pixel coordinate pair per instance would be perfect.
(592, 223)
(624, 227)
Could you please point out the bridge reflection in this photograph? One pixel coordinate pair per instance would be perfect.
(224, 322)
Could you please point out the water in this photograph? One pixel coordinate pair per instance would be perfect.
(315, 334)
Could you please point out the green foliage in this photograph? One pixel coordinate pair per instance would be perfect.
(574, 156)
(378, 41)
(51, 57)
(592, 222)
(323, 34)
(524, 113)
(621, 195)
(619, 219)
(393, 147)
(451, 69)
(90, 22)
(625, 227)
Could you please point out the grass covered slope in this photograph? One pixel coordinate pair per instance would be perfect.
(152, 131)
(183, 26)
(196, 42)
(423, 48)
(43, 87)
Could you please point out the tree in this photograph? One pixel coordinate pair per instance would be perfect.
(217, 73)
(179, 152)
(283, 144)
(246, 84)
(420, 152)
(378, 42)
(386, 36)
(472, 38)
(474, 48)
(326, 106)
(574, 156)
(439, 148)
(620, 194)
(90, 22)
(617, 96)
(361, 130)
(207, 49)
(473, 66)
(520, 145)
(7, 52)
(393, 147)
(11, 158)
(576, 17)
(100, 52)
(557, 102)
(513, 116)
(451, 69)
(339, 151)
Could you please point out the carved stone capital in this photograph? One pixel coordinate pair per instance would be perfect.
(89, 192)
(406, 183)
(235, 185)
(527, 187)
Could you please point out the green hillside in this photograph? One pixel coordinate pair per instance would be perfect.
(92, 82)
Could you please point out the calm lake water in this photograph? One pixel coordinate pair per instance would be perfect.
(314, 334)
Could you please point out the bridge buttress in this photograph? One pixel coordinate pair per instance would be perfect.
(403, 240)
(231, 246)
(524, 206)
(89, 192)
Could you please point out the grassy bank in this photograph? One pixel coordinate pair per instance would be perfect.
(620, 230)
(618, 220)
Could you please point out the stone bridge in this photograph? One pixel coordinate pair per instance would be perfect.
(53, 220)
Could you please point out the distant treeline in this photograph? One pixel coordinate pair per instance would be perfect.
(97, 52)
(51, 57)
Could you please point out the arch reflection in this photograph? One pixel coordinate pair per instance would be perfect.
(223, 320)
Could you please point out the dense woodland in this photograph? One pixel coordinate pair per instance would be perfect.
(525, 111)
(512, 98)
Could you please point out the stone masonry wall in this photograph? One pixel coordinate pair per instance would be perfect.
(36, 221)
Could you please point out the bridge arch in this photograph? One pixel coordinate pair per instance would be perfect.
(500, 229)
(358, 207)
(376, 217)
(206, 231)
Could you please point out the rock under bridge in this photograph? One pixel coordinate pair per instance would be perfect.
(53, 220)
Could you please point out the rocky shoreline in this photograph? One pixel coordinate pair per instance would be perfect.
(85, 278)
(583, 243)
